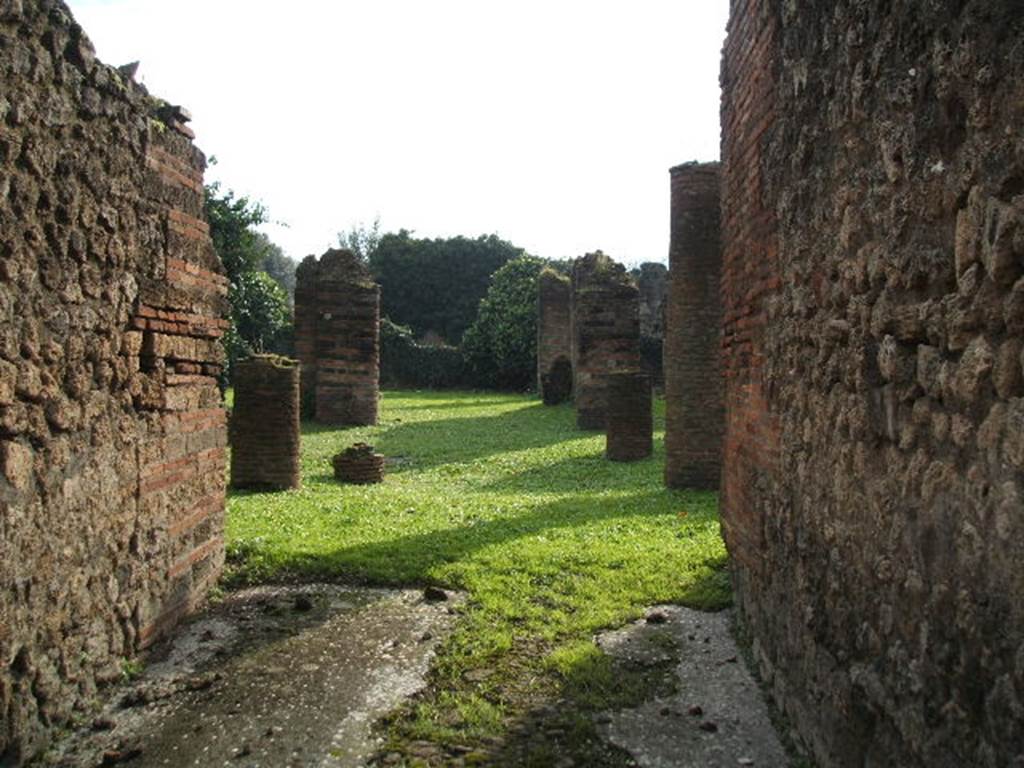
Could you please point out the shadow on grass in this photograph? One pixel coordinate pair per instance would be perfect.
(582, 474)
(411, 558)
(444, 401)
(426, 444)
(430, 443)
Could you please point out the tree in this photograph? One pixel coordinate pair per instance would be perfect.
(501, 344)
(360, 239)
(260, 312)
(232, 221)
(276, 264)
(436, 285)
(260, 309)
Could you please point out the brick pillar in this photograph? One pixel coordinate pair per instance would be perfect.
(606, 332)
(694, 418)
(337, 310)
(630, 421)
(554, 339)
(265, 424)
(305, 332)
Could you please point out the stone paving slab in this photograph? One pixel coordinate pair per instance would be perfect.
(272, 676)
(718, 718)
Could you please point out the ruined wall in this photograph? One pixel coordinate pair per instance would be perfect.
(265, 438)
(605, 331)
(873, 287)
(694, 418)
(652, 282)
(337, 338)
(111, 427)
(554, 338)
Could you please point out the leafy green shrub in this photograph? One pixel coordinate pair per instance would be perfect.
(435, 285)
(261, 318)
(261, 312)
(404, 362)
(501, 344)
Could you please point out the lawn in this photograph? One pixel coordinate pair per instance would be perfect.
(504, 499)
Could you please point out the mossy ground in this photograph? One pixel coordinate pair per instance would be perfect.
(501, 497)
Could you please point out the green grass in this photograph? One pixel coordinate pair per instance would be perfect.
(501, 497)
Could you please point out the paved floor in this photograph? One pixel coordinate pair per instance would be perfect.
(718, 718)
(284, 676)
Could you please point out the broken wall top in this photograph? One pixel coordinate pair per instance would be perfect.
(601, 272)
(337, 265)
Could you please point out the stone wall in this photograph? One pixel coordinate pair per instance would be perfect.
(112, 431)
(265, 424)
(554, 339)
(337, 338)
(694, 416)
(605, 330)
(652, 283)
(873, 289)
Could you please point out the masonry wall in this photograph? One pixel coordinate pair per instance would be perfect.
(554, 336)
(873, 289)
(694, 418)
(605, 325)
(112, 432)
(652, 282)
(337, 338)
(265, 438)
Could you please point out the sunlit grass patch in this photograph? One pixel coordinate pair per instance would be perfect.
(501, 497)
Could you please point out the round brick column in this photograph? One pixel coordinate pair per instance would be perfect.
(629, 434)
(694, 411)
(265, 424)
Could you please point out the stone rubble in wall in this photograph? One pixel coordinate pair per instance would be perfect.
(112, 430)
(873, 275)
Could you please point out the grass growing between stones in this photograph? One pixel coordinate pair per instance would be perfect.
(501, 497)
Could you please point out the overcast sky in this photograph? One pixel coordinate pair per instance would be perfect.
(552, 123)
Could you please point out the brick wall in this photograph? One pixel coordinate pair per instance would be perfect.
(554, 338)
(605, 324)
(873, 289)
(337, 338)
(112, 431)
(265, 438)
(749, 273)
(694, 418)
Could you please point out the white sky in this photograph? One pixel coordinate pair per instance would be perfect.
(552, 123)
